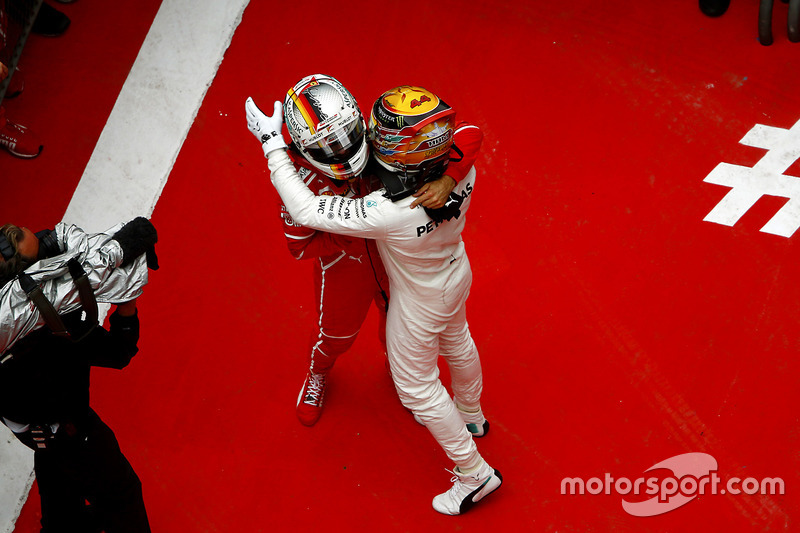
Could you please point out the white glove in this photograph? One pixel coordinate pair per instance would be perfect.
(266, 129)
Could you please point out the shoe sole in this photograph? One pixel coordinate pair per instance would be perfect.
(308, 423)
(23, 156)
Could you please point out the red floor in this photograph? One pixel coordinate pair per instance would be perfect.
(617, 329)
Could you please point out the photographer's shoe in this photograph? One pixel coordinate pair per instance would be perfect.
(310, 400)
(18, 139)
(468, 489)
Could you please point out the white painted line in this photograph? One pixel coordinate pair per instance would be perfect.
(16, 478)
(154, 111)
(135, 154)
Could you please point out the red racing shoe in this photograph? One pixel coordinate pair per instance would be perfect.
(310, 400)
(18, 139)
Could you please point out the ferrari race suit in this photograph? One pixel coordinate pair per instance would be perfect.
(429, 277)
(348, 276)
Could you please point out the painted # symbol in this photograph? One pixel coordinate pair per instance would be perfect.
(765, 178)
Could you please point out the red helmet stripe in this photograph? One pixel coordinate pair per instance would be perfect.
(341, 169)
(308, 111)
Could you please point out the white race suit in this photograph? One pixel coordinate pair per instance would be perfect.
(429, 280)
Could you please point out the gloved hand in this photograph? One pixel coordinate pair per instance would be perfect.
(266, 129)
(138, 237)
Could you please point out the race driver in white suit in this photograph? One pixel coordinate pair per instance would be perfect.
(411, 131)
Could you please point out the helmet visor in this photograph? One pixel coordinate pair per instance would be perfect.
(340, 146)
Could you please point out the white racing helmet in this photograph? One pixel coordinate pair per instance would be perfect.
(326, 126)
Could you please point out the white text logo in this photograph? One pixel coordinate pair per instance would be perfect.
(692, 475)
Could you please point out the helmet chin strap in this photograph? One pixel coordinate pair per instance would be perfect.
(398, 185)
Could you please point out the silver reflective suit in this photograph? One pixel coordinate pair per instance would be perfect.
(99, 255)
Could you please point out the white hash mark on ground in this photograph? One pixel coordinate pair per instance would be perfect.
(765, 178)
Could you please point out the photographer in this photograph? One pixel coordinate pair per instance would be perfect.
(44, 399)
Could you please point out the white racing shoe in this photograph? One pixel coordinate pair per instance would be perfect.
(467, 490)
(476, 422)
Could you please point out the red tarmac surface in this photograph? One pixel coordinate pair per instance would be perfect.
(617, 329)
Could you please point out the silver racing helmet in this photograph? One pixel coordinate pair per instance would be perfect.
(326, 126)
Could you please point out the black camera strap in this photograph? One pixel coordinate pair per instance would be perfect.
(85, 293)
(48, 312)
